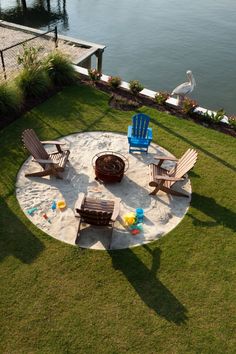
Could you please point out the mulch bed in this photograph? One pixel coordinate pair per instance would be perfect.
(141, 100)
(124, 100)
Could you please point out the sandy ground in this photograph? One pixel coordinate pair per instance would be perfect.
(162, 212)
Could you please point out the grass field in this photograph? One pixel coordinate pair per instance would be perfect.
(175, 295)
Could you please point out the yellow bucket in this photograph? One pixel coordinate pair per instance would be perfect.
(61, 204)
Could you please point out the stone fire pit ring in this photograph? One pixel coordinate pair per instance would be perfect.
(109, 166)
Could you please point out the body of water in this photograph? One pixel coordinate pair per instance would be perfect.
(154, 41)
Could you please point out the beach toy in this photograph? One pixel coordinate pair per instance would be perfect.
(61, 204)
(135, 232)
(140, 214)
(130, 218)
(136, 229)
(54, 206)
(31, 211)
(46, 218)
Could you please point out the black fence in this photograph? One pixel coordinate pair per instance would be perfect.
(9, 55)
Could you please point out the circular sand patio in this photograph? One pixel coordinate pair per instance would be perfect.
(162, 212)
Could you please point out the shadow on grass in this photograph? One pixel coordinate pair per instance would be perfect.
(218, 213)
(199, 147)
(145, 282)
(15, 239)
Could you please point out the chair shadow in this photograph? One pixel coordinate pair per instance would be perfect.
(15, 239)
(149, 288)
(131, 200)
(209, 207)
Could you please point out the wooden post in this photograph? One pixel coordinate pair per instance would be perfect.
(99, 54)
(24, 6)
(56, 37)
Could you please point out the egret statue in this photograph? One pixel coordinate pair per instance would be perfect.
(185, 88)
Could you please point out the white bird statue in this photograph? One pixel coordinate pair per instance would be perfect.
(185, 88)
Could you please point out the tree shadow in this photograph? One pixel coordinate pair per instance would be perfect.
(150, 289)
(15, 239)
(199, 147)
(209, 207)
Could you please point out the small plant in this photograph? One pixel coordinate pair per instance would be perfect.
(206, 117)
(114, 81)
(10, 100)
(123, 103)
(216, 117)
(33, 83)
(59, 68)
(161, 97)
(29, 59)
(213, 117)
(188, 105)
(94, 75)
(135, 87)
(232, 122)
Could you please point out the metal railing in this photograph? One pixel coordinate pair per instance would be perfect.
(9, 55)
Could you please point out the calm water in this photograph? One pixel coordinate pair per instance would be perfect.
(154, 41)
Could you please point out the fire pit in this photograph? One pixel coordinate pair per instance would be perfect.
(109, 167)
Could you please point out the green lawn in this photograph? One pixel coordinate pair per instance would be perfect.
(176, 295)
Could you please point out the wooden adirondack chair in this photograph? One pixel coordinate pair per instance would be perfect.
(162, 179)
(139, 135)
(97, 212)
(53, 163)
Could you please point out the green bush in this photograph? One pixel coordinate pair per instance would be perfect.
(213, 117)
(10, 100)
(59, 68)
(161, 97)
(232, 122)
(114, 81)
(29, 58)
(188, 105)
(218, 116)
(94, 74)
(33, 83)
(135, 86)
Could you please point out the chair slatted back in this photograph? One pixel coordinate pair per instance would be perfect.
(184, 164)
(95, 217)
(96, 212)
(140, 125)
(33, 145)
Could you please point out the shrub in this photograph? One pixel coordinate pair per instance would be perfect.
(10, 100)
(123, 103)
(161, 97)
(135, 86)
(188, 105)
(213, 117)
(94, 75)
(114, 81)
(232, 122)
(29, 59)
(59, 68)
(218, 116)
(33, 83)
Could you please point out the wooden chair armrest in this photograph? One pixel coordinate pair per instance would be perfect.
(79, 202)
(168, 178)
(165, 158)
(116, 209)
(44, 161)
(52, 142)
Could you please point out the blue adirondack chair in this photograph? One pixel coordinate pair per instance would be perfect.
(139, 135)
